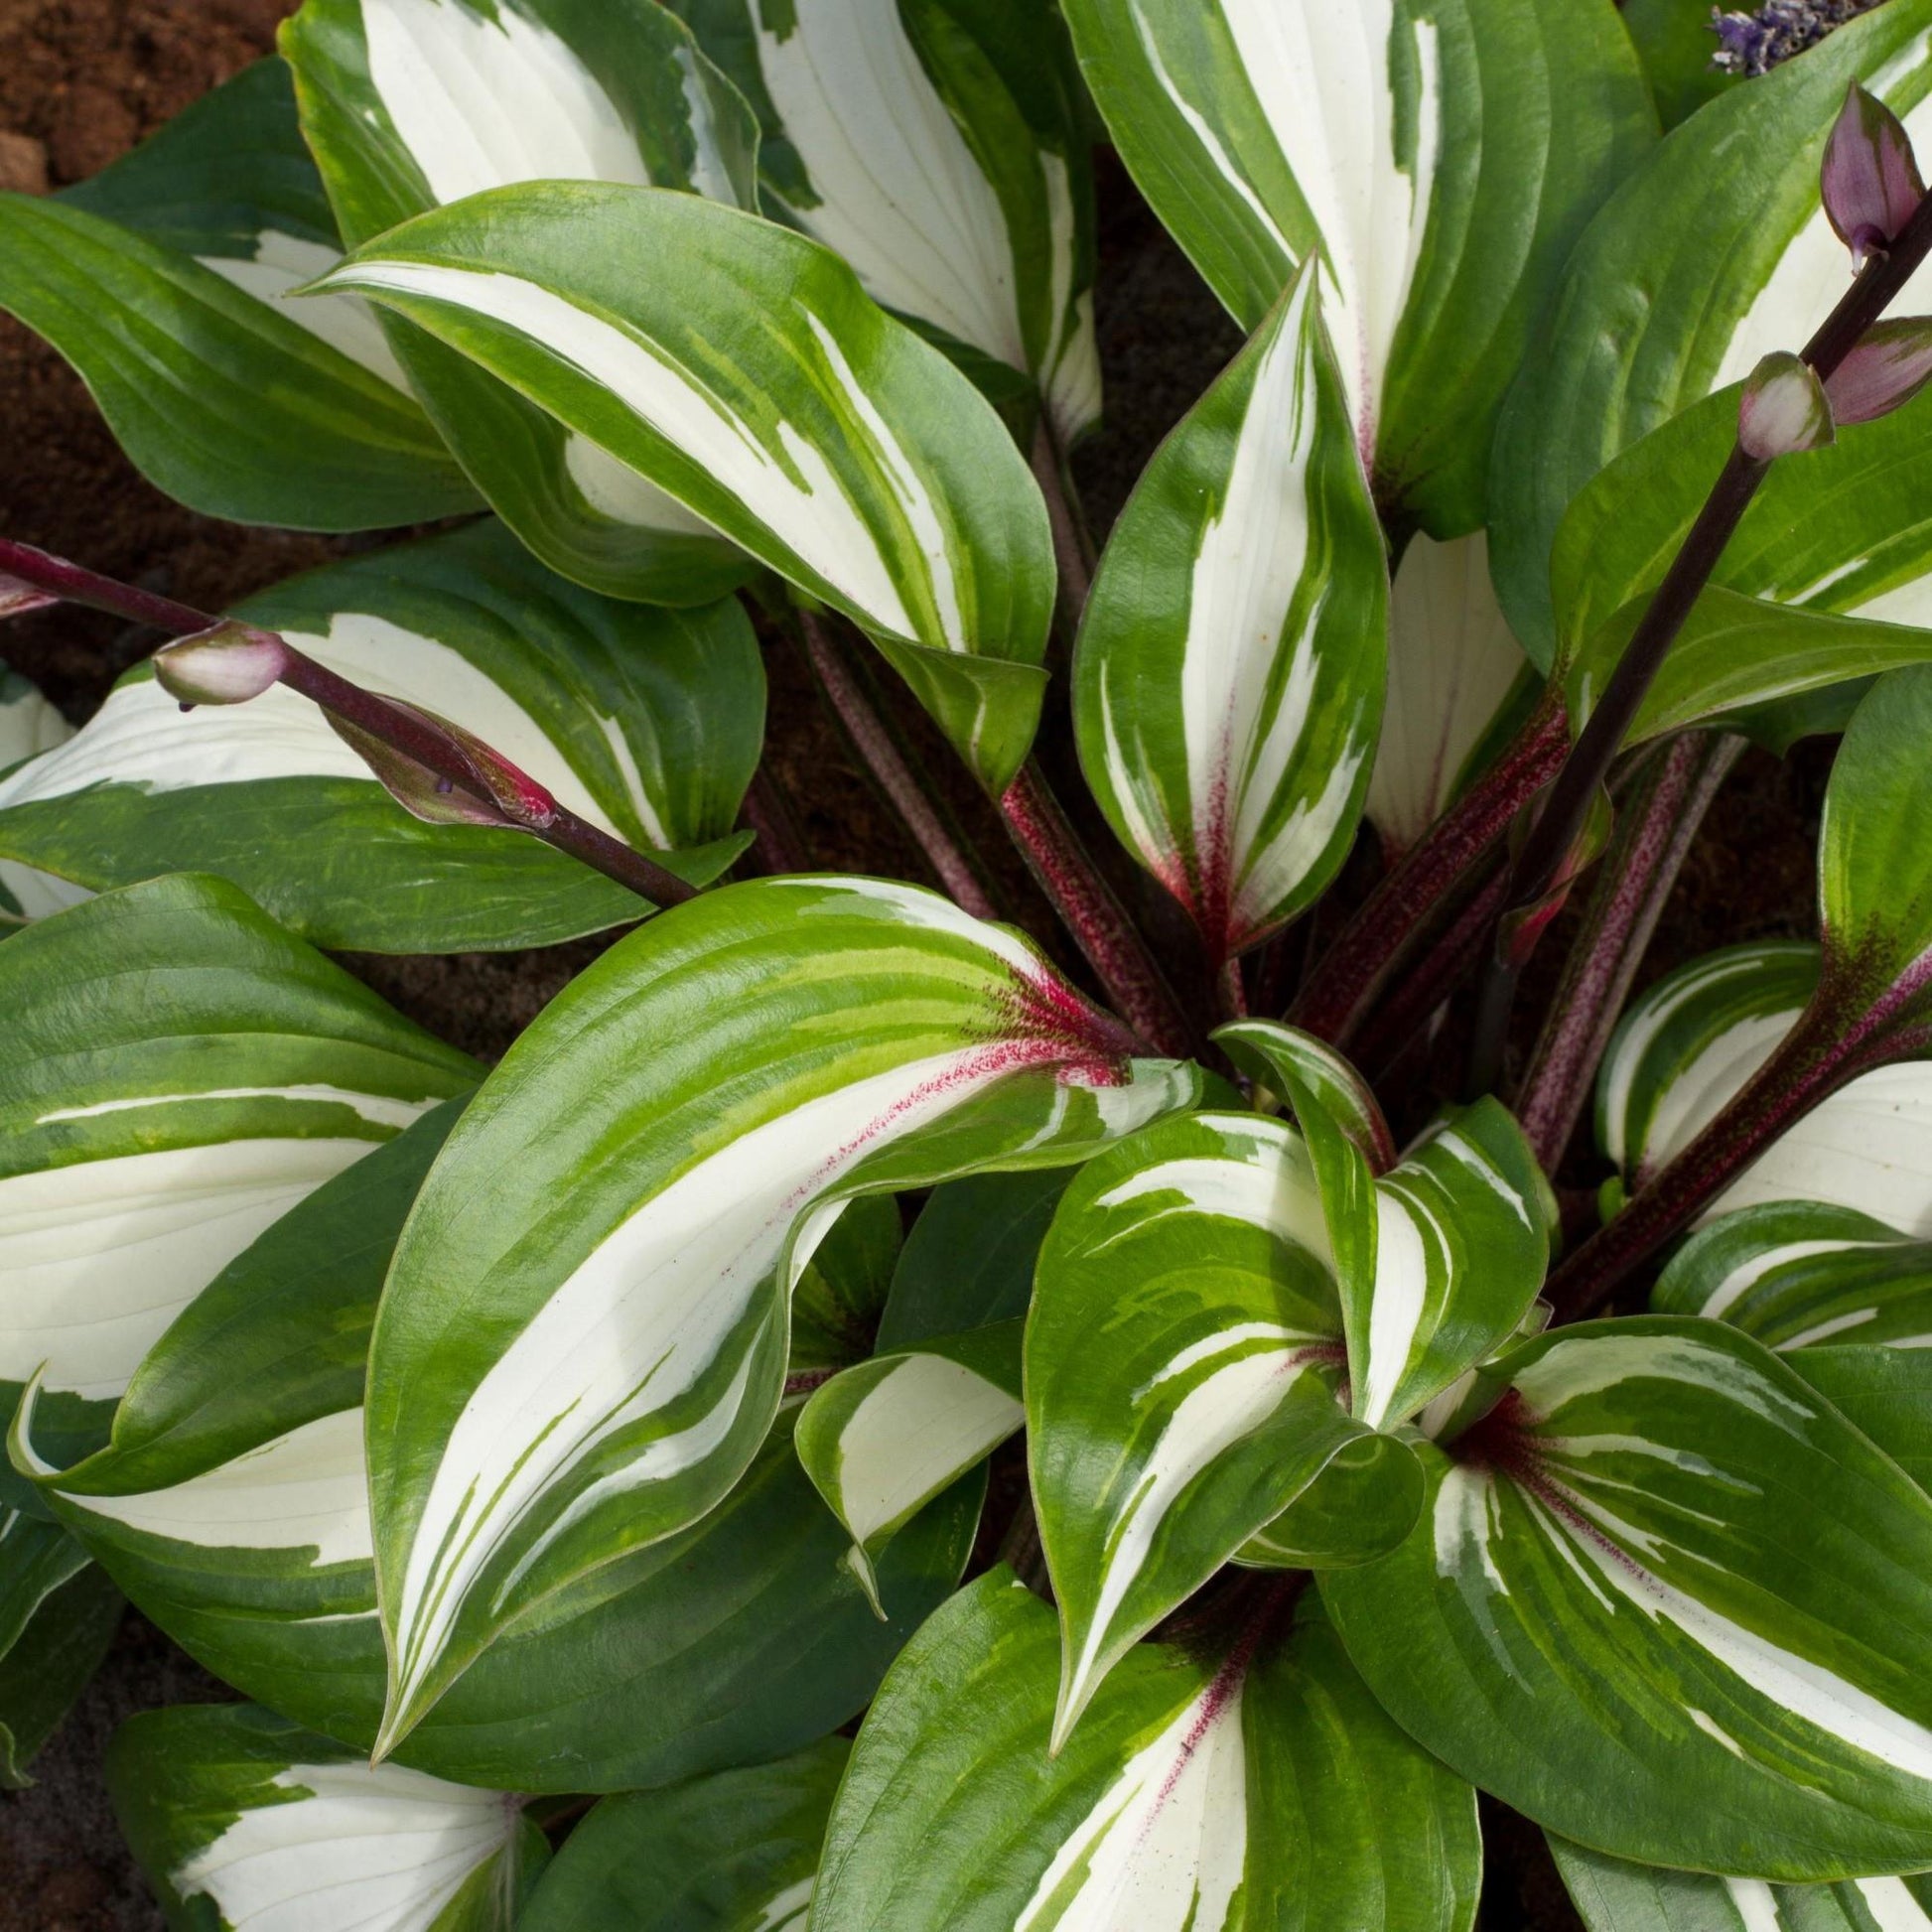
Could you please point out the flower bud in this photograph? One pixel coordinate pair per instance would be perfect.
(1784, 409)
(1869, 180)
(228, 665)
(1890, 367)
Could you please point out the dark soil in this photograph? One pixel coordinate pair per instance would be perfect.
(81, 81)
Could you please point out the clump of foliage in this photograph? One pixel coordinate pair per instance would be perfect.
(560, 1457)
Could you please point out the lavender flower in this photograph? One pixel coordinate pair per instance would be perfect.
(1755, 43)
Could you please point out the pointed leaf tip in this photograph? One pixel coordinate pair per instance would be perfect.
(228, 663)
(18, 596)
(1784, 409)
(1869, 180)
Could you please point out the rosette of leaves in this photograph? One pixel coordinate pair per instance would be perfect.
(828, 1308)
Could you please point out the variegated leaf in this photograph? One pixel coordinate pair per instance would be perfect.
(1442, 155)
(29, 725)
(649, 722)
(176, 1072)
(1229, 671)
(735, 1851)
(160, 281)
(584, 1336)
(1797, 1273)
(1690, 1044)
(938, 146)
(1456, 674)
(1664, 1566)
(1262, 1791)
(1183, 1360)
(740, 368)
(1716, 253)
(883, 1438)
(58, 1616)
(1885, 1393)
(1614, 1895)
(1285, 1061)
(1460, 1244)
(412, 103)
(244, 1822)
(233, 1506)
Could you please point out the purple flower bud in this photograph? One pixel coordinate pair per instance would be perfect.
(228, 664)
(1784, 409)
(1890, 365)
(1870, 180)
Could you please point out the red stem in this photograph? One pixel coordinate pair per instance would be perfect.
(1072, 548)
(395, 725)
(1375, 942)
(767, 811)
(1820, 1054)
(1655, 832)
(1091, 913)
(1435, 976)
(879, 752)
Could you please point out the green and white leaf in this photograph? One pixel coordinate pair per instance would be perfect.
(649, 722)
(939, 148)
(1267, 1792)
(1666, 1599)
(969, 1259)
(883, 1439)
(176, 1072)
(735, 1851)
(1182, 1357)
(1229, 671)
(29, 725)
(412, 103)
(1795, 1274)
(1291, 1062)
(741, 368)
(58, 1616)
(243, 1821)
(160, 281)
(1688, 1047)
(1454, 668)
(233, 1506)
(583, 1337)
(1442, 158)
(1713, 254)
(1614, 1895)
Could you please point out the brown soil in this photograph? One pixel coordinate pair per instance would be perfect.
(83, 80)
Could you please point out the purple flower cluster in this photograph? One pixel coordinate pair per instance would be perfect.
(1755, 43)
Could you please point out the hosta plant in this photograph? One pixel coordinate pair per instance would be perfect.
(903, 1407)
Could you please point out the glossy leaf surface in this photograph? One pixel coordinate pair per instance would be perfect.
(242, 1819)
(766, 391)
(161, 280)
(579, 1354)
(647, 722)
(735, 1851)
(58, 1616)
(412, 103)
(1667, 1600)
(1229, 671)
(1265, 1791)
(1441, 157)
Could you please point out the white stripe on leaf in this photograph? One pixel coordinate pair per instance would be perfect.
(482, 98)
(282, 262)
(100, 1256)
(347, 1846)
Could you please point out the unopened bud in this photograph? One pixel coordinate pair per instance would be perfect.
(1784, 410)
(18, 596)
(228, 664)
(1891, 364)
(416, 788)
(1870, 179)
